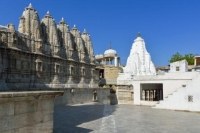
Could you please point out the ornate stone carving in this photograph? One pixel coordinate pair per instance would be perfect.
(43, 44)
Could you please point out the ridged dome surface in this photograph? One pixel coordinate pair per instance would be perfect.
(110, 52)
(99, 56)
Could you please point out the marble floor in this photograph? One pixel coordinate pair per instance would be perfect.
(123, 119)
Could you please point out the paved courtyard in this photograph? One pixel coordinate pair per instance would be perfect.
(123, 119)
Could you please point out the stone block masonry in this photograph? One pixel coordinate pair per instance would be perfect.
(83, 95)
(27, 112)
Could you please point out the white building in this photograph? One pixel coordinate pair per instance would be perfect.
(179, 66)
(176, 90)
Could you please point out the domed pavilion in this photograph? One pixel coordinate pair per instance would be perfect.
(108, 58)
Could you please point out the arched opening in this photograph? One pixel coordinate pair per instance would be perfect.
(95, 96)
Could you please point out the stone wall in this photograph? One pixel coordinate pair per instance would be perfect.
(83, 95)
(186, 98)
(125, 94)
(171, 82)
(27, 112)
(179, 66)
(111, 72)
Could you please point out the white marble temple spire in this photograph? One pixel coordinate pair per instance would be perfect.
(30, 5)
(139, 61)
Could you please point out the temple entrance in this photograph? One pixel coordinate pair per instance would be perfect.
(151, 92)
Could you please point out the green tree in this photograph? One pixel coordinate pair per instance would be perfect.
(178, 57)
(189, 58)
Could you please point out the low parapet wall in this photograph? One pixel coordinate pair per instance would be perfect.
(27, 111)
(83, 95)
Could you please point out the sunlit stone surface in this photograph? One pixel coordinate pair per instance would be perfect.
(123, 119)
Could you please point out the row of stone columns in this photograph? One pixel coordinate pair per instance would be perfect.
(152, 95)
(109, 61)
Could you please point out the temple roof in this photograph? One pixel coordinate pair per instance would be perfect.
(110, 51)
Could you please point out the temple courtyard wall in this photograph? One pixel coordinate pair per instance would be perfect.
(32, 111)
(83, 95)
(184, 98)
(27, 112)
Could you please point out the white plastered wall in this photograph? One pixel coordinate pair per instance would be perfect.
(171, 82)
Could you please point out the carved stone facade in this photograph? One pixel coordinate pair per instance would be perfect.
(42, 54)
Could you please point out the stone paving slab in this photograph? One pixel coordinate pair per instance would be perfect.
(123, 119)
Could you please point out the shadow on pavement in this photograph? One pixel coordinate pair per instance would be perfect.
(67, 118)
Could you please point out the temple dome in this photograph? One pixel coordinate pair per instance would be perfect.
(110, 52)
(99, 56)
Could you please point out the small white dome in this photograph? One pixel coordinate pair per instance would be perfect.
(98, 56)
(110, 52)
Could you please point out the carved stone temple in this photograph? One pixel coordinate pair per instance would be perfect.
(36, 61)
(43, 54)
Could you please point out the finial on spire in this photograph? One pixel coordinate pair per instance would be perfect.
(74, 25)
(138, 35)
(30, 5)
(62, 20)
(48, 12)
(110, 45)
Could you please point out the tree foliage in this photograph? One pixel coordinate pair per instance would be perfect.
(177, 57)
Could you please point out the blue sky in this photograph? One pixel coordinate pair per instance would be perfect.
(167, 26)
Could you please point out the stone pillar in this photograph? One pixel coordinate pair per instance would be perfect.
(119, 62)
(151, 95)
(109, 61)
(143, 95)
(116, 62)
(147, 95)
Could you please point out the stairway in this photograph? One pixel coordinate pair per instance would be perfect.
(184, 98)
